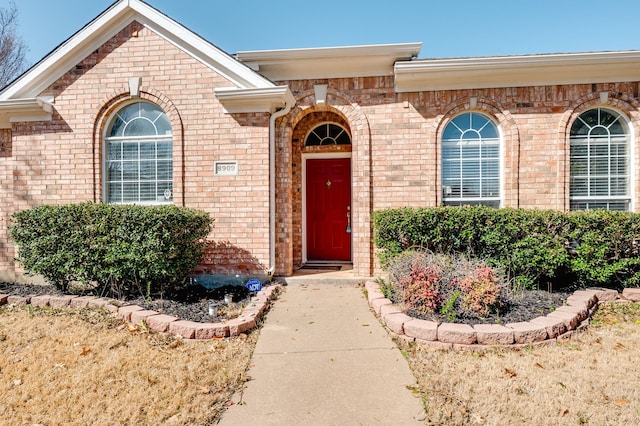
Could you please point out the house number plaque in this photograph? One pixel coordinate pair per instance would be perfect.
(226, 168)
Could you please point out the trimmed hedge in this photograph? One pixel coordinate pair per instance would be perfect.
(535, 247)
(119, 248)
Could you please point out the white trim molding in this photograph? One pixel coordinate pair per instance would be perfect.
(329, 62)
(105, 26)
(31, 109)
(319, 156)
(267, 99)
(517, 71)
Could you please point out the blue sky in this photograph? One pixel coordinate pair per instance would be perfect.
(450, 28)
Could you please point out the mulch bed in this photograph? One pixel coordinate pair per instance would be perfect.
(190, 303)
(520, 307)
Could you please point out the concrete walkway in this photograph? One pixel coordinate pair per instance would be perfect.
(323, 358)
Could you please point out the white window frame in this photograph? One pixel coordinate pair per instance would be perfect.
(167, 196)
(601, 201)
(495, 201)
(335, 142)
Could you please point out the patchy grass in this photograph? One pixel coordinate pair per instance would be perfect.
(594, 378)
(87, 367)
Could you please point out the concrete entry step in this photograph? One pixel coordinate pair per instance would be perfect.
(322, 276)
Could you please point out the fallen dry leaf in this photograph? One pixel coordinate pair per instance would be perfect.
(132, 327)
(620, 402)
(85, 351)
(175, 344)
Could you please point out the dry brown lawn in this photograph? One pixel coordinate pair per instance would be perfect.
(594, 378)
(85, 367)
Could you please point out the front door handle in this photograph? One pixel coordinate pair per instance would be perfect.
(348, 219)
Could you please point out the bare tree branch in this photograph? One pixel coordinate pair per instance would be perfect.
(13, 49)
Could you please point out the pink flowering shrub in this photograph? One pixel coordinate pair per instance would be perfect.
(481, 291)
(420, 289)
(445, 287)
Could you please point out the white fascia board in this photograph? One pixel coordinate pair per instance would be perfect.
(70, 53)
(109, 23)
(254, 100)
(517, 71)
(17, 110)
(329, 62)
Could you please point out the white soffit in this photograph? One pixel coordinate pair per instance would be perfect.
(105, 26)
(254, 100)
(517, 71)
(33, 109)
(329, 62)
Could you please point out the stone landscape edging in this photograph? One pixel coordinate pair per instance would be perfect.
(157, 321)
(556, 326)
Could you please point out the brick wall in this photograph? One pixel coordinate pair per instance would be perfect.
(395, 147)
(61, 161)
(397, 160)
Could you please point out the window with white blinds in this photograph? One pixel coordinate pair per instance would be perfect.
(139, 156)
(599, 161)
(471, 161)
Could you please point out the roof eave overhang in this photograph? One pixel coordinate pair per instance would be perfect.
(254, 100)
(24, 110)
(329, 62)
(517, 71)
(110, 22)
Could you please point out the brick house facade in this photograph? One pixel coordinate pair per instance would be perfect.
(251, 134)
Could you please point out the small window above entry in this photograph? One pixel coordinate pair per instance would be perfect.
(328, 134)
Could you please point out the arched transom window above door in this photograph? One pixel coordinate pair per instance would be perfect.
(139, 156)
(328, 134)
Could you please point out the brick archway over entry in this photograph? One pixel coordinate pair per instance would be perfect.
(291, 133)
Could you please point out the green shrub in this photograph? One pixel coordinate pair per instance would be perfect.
(386, 288)
(607, 248)
(118, 248)
(534, 247)
(448, 308)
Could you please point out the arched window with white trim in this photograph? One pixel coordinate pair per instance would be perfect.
(599, 161)
(471, 161)
(139, 159)
(328, 134)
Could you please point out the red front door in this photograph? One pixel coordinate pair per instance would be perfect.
(328, 191)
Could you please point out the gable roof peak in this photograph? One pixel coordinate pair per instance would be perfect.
(109, 22)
